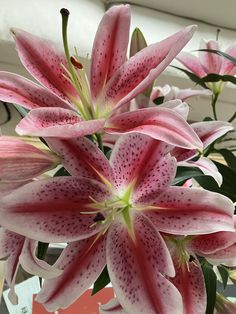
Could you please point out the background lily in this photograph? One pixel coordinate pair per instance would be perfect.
(69, 106)
(106, 210)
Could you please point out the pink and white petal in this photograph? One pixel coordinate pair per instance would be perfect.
(188, 92)
(21, 161)
(182, 154)
(11, 245)
(7, 187)
(144, 67)
(113, 306)
(81, 263)
(206, 166)
(160, 123)
(134, 267)
(131, 154)
(44, 59)
(226, 256)
(81, 157)
(57, 122)
(17, 89)
(110, 46)
(33, 265)
(209, 131)
(156, 176)
(227, 66)
(211, 62)
(182, 108)
(191, 211)
(191, 285)
(192, 63)
(50, 210)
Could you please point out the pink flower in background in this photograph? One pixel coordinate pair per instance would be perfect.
(111, 212)
(208, 62)
(173, 92)
(67, 105)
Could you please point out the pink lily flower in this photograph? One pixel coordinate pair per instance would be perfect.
(18, 250)
(68, 106)
(105, 211)
(21, 162)
(173, 92)
(208, 63)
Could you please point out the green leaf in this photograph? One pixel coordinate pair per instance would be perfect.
(42, 249)
(193, 77)
(207, 119)
(62, 172)
(224, 273)
(217, 77)
(220, 53)
(210, 283)
(229, 158)
(185, 173)
(159, 100)
(102, 281)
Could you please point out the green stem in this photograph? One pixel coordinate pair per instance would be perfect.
(99, 141)
(213, 104)
(232, 118)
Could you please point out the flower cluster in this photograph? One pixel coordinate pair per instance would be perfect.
(121, 203)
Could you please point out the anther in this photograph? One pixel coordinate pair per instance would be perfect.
(65, 12)
(76, 63)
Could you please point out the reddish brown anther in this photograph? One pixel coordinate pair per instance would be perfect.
(76, 63)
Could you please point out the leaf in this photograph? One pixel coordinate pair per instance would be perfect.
(185, 173)
(62, 172)
(193, 77)
(159, 100)
(210, 283)
(224, 275)
(102, 281)
(229, 157)
(217, 77)
(42, 249)
(220, 53)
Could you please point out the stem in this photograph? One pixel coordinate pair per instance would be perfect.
(213, 104)
(99, 141)
(233, 117)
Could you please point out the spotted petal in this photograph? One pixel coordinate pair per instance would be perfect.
(191, 211)
(135, 267)
(43, 59)
(110, 46)
(81, 157)
(19, 90)
(81, 262)
(56, 122)
(49, 210)
(160, 123)
(144, 67)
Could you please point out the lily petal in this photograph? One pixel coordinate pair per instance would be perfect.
(191, 211)
(81, 262)
(44, 60)
(209, 131)
(227, 66)
(89, 162)
(50, 209)
(33, 265)
(192, 63)
(134, 266)
(143, 68)
(182, 108)
(17, 89)
(206, 166)
(226, 256)
(56, 122)
(113, 306)
(211, 62)
(21, 161)
(160, 123)
(110, 46)
(191, 285)
(128, 159)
